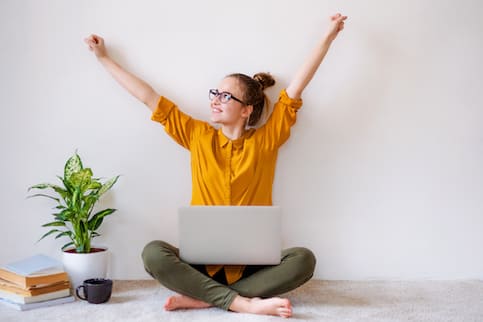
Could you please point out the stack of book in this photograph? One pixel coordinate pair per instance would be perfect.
(34, 282)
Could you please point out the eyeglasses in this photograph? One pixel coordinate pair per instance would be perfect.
(224, 97)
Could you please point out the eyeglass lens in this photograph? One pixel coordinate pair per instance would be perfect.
(223, 96)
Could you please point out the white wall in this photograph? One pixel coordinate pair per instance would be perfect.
(382, 177)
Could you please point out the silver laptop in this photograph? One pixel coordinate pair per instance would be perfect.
(230, 235)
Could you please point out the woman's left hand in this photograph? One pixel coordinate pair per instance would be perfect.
(307, 70)
(336, 25)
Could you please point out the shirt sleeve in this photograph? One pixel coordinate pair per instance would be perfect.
(180, 126)
(277, 128)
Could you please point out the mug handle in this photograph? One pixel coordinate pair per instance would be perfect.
(83, 291)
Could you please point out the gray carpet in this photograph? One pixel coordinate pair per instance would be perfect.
(316, 301)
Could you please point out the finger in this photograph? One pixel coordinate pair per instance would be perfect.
(334, 17)
(341, 18)
(94, 39)
(99, 39)
(90, 43)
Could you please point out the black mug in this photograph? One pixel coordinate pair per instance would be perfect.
(96, 290)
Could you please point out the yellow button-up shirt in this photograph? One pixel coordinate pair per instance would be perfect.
(230, 172)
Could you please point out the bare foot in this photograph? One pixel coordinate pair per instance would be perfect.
(177, 302)
(272, 306)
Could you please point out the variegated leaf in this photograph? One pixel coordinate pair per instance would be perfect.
(43, 195)
(80, 178)
(73, 165)
(106, 186)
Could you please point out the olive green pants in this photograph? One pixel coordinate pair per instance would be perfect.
(162, 262)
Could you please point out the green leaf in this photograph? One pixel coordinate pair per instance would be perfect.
(40, 186)
(81, 178)
(67, 185)
(83, 227)
(73, 165)
(67, 245)
(43, 195)
(94, 185)
(75, 199)
(106, 186)
(62, 192)
(104, 213)
(65, 215)
(98, 223)
(64, 233)
(54, 224)
(97, 219)
(49, 233)
(89, 202)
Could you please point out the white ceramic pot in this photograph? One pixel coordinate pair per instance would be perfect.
(82, 266)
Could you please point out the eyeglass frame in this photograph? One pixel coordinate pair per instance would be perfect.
(216, 93)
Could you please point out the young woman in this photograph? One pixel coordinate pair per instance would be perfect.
(231, 165)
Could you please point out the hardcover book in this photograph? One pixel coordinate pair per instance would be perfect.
(7, 286)
(32, 280)
(37, 264)
(16, 298)
(35, 270)
(30, 306)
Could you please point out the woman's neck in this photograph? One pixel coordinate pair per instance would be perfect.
(233, 132)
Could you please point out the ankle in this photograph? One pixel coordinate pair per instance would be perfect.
(240, 304)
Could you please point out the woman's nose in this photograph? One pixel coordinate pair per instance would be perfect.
(216, 100)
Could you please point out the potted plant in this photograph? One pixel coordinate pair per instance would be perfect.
(74, 218)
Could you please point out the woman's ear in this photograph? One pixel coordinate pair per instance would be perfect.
(247, 110)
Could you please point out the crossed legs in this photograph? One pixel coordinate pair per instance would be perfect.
(253, 294)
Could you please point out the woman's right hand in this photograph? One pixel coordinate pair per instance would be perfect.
(133, 84)
(96, 44)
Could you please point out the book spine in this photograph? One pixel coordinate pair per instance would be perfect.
(30, 306)
(46, 279)
(29, 281)
(32, 299)
(14, 278)
(12, 288)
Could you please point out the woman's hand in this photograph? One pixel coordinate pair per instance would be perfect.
(307, 70)
(335, 26)
(133, 84)
(96, 44)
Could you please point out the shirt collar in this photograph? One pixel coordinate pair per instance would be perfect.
(223, 140)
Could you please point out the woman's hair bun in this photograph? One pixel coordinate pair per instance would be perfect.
(265, 80)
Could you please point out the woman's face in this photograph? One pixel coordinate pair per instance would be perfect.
(231, 112)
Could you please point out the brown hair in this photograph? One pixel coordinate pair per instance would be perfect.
(253, 88)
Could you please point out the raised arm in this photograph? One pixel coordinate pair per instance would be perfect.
(307, 70)
(133, 84)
